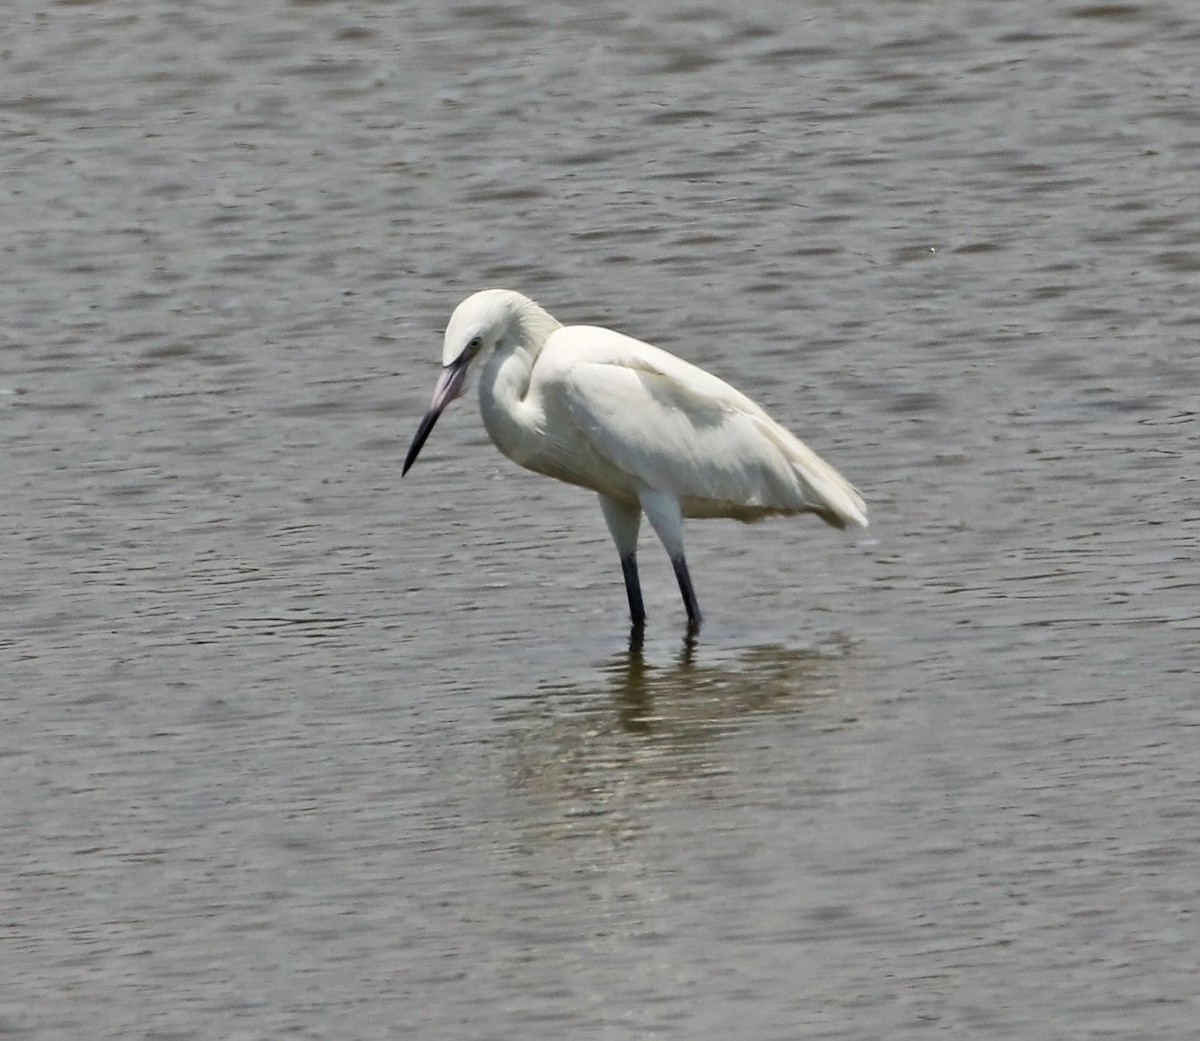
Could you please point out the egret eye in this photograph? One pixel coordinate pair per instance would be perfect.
(474, 343)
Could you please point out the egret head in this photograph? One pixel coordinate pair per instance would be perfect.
(481, 322)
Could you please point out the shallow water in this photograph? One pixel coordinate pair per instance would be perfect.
(293, 748)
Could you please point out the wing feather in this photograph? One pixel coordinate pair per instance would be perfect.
(674, 427)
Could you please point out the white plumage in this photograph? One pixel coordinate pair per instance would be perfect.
(650, 432)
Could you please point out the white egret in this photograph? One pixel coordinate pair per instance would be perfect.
(647, 431)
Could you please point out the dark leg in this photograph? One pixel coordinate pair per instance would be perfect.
(633, 590)
(663, 511)
(623, 520)
(689, 594)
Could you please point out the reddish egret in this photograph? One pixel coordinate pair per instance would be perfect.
(648, 432)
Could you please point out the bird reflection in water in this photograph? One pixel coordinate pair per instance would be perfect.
(632, 697)
(771, 678)
(647, 724)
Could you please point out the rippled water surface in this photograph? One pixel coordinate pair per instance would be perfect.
(292, 748)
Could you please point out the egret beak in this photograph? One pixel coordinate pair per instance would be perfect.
(449, 386)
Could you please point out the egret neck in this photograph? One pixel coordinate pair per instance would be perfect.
(514, 422)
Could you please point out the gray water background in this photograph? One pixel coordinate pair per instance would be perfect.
(291, 748)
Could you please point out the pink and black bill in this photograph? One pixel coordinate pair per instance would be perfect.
(449, 386)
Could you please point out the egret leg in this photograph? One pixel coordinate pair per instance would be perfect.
(686, 590)
(623, 522)
(662, 510)
(633, 589)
